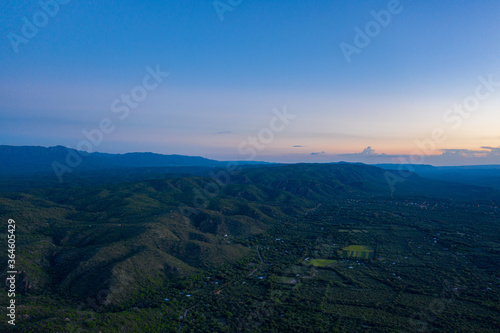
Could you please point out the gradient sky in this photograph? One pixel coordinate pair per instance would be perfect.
(227, 76)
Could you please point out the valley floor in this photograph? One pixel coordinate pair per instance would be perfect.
(434, 268)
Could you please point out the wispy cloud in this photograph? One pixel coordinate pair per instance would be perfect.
(487, 152)
(493, 150)
(367, 152)
(487, 155)
(318, 153)
(299, 146)
(223, 132)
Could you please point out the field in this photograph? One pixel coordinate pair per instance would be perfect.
(358, 251)
(321, 262)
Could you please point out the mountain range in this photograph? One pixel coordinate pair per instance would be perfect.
(126, 228)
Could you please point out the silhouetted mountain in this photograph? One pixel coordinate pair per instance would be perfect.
(480, 175)
(323, 181)
(34, 159)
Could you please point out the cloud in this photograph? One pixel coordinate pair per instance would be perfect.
(488, 155)
(464, 152)
(493, 150)
(486, 152)
(444, 157)
(299, 146)
(368, 151)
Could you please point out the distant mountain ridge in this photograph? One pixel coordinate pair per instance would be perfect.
(36, 159)
(480, 175)
(323, 181)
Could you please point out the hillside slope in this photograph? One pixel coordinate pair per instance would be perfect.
(83, 240)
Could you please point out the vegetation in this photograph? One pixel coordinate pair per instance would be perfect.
(125, 258)
(358, 251)
(322, 262)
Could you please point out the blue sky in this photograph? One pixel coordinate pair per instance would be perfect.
(227, 76)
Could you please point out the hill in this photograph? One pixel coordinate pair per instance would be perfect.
(34, 159)
(480, 175)
(116, 250)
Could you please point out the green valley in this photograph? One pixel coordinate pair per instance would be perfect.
(303, 248)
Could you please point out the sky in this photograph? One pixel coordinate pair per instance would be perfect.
(282, 81)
